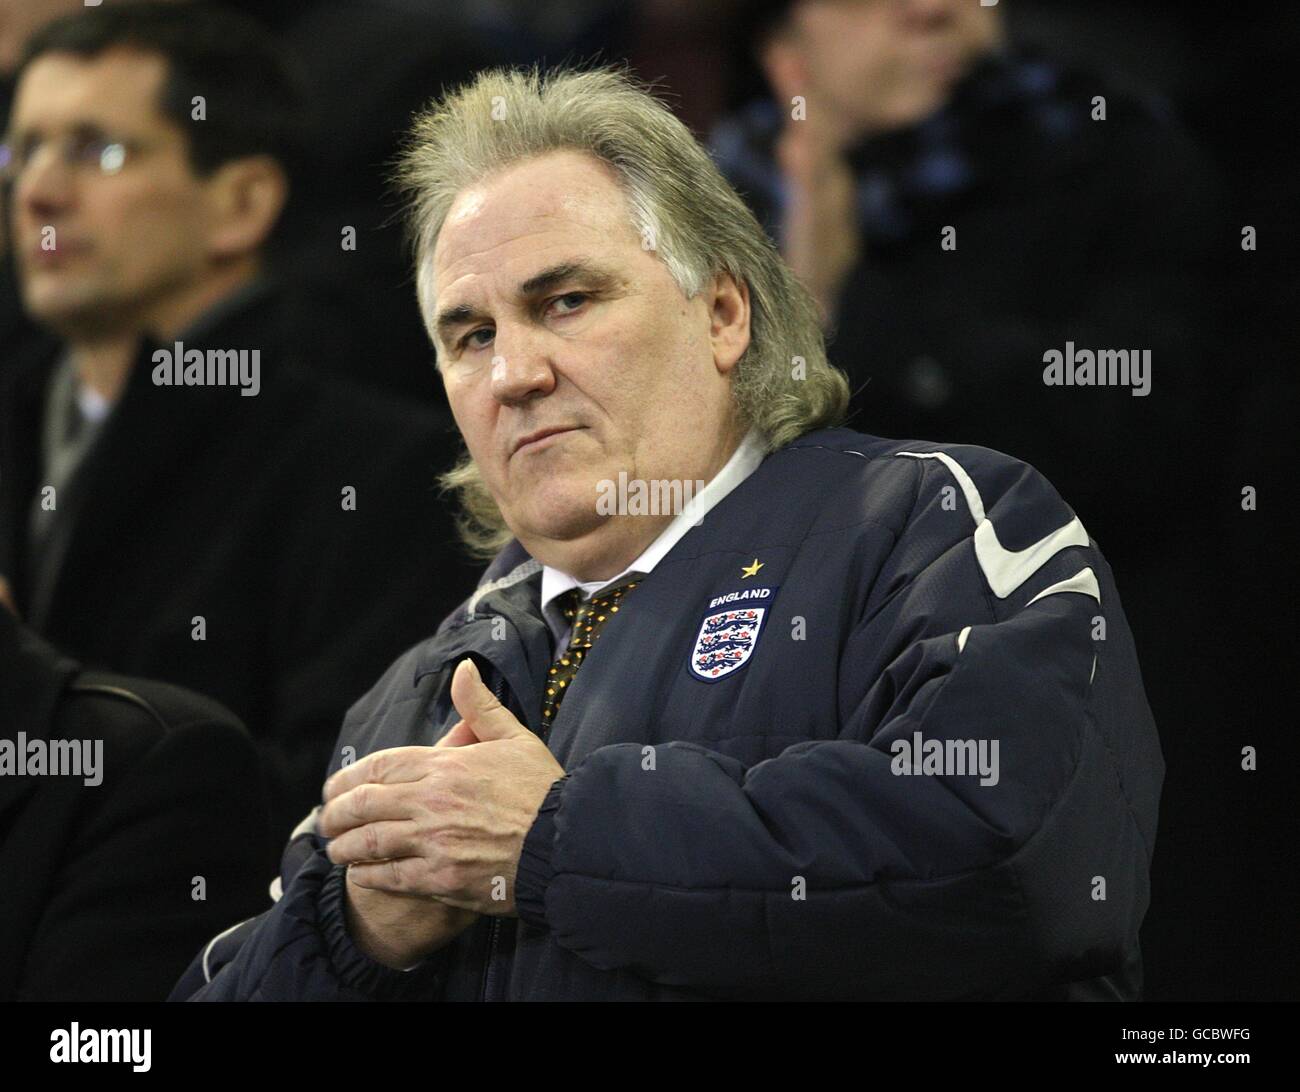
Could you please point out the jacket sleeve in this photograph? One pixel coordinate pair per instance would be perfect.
(829, 871)
(300, 950)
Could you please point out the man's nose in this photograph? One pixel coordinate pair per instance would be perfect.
(46, 185)
(521, 369)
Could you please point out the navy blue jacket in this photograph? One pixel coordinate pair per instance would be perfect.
(752, 805)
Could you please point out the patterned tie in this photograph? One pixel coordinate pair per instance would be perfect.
(588, 620)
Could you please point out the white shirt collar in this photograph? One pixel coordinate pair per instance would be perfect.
(94, 406)
(743, 462)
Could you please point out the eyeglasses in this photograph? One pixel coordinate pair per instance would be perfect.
(87, 153)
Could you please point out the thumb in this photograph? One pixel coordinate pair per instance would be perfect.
(483, 715)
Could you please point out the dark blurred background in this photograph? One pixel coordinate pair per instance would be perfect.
(1117, 233)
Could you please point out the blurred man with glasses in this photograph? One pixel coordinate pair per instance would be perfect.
(271, 551)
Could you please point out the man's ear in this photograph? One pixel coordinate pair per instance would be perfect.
(728, 320)
(246, 198)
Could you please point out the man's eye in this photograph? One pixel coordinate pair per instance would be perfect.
(466, 341)
(90, 150)
(580, 297)
(21, 151)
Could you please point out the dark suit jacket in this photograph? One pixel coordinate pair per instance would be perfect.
(200, 502)
(97, 882)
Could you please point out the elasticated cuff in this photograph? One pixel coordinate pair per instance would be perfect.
(356, 969)
(535, 868)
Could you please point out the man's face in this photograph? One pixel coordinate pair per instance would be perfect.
(604, 346)
(883, 64)
(119, 241)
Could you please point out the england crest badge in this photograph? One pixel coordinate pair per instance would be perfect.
(729, 633)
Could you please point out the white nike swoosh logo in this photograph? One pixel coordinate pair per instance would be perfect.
(1004, 569)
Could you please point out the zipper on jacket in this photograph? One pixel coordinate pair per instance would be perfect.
(499, 691)
(493, 929)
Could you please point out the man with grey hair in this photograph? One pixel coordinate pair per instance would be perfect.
(857, 719)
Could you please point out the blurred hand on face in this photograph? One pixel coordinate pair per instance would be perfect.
(820, 237)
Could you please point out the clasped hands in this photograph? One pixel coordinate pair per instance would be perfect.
(432, 835)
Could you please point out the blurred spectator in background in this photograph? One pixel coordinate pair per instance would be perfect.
(114, 874)
(274, 551)
(19, 19)
(960, 209)
(338, 243)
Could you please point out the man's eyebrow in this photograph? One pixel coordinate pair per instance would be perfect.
(597, 276)
(452, 317)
